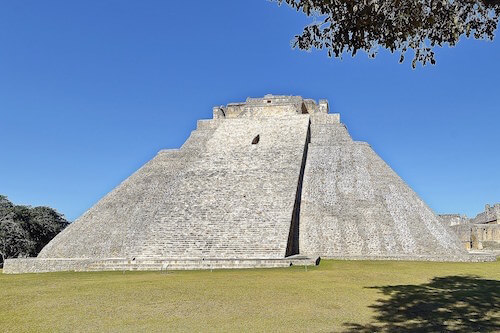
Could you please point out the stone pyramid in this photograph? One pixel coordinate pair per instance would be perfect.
(263, 183)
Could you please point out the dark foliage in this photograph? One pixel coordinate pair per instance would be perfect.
(347, 26)
(24, 230)
(445, 304)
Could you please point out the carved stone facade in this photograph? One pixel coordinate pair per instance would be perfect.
(479, 233)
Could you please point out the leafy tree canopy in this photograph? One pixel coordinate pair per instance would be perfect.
(347, 26)
(25, 230)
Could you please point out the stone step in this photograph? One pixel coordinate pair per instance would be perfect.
(322, 134)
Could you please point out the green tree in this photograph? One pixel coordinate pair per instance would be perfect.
(347, 26)
(5, 205)
(24, 230)
(14, 241)
(45, 224)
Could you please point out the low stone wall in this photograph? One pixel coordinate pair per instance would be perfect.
(35, 265)
(41, 265)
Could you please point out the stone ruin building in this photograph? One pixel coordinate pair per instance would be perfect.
(479, 233)
(270, 182)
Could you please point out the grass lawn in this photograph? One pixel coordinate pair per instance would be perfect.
(351, 296)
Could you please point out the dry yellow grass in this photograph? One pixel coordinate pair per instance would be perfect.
(335, 296)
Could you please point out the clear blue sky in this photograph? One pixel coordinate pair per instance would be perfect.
(91, 90)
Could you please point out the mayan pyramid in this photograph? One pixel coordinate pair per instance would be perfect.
(264, 182)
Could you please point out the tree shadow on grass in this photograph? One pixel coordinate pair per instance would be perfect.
(445, 304)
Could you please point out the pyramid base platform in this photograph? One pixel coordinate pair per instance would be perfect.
(44, 265)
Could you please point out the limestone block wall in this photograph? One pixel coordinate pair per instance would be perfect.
(324, 118)
(355, 205)
(463, 231)
(219, 196)
(270, 106)
(485, 236)
(487, 232)
(38, 265)
(111, 227)
(478, 236)
(237, 199)
(453, 219)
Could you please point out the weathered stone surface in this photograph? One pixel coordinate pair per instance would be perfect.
(355, 206)
(453, 219)
(463, 231)
(38, 265)
(219, 196)
(481, 232)
(491, 215)
(263, 180)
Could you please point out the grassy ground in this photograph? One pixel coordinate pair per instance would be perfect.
(350, 296)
